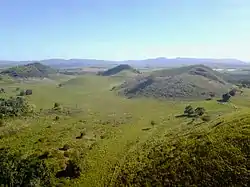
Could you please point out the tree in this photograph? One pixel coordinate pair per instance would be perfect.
(28, 92)
(22, 93)
(226, 97)
(212, 94)
(189, 111)
(199, 111)
(232, 92)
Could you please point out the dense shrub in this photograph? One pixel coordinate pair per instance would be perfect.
(56, 105)
(28, 92)
(18, 171)
(189, 111)
(22, 93)
(13, 107)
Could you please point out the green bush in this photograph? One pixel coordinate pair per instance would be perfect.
(13, 107)
(18, 171)
(22, 93)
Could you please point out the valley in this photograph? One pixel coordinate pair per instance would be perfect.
(126, 126)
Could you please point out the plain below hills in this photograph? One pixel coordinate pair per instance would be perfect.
(197, 81)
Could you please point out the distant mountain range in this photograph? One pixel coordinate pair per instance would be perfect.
(152, 63)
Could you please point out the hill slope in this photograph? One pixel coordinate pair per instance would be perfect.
(29, 70)
(119, 70)
(196, 81)
(214, 154)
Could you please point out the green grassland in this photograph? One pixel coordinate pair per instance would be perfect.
(116, 130)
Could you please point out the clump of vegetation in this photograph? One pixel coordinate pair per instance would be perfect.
(28, 92)
(153, 123)
(81, 135)
(25, 92)
(71, 171)
(214, 157)
(2, 90)
(57, 118)
(13, 107)
(189, 111)
(18, 171)
(65, 147)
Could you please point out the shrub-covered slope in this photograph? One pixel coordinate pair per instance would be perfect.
(215, 154)
(185, 82)
(29, 70)
(119, 70)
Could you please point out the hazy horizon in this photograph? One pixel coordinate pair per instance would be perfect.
(128, 30)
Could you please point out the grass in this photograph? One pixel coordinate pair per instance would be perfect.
(114, 127)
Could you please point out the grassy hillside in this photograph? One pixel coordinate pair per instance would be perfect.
(210, 154)
(120, 70)
(186, 82)
(83, 134)
(29, 70)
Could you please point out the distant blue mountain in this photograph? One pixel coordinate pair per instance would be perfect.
(154, 62)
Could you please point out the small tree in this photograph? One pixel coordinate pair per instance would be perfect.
(232, 92)
(56, 105)
(199, 111)
(189, 111)
(22, 93)
(28, 92)
(212, 94)
(226, 97)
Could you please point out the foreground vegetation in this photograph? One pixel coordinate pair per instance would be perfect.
(74, 131)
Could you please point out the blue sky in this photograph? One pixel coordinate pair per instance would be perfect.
(124, 29)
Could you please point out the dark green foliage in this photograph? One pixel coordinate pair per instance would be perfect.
(1, 122)
(18, 171)
(232, 92)
(56, 105)
(29, 70)
(28, 92)
(2, 90)
(199, 111)
(226, 97)
(13, 107)
(65, 147)
(22, 93)
(189, 111)
(219, 157)
(153, 123)
(71, 171)
(57, 118)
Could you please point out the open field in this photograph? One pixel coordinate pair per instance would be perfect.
(112, 126)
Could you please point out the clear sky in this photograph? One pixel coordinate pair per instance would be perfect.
(124, 29)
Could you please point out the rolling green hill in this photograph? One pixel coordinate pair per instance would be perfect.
(83, 134)
(120, 70)
(29, 70)
(186, 82)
